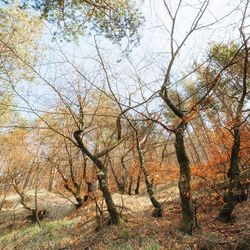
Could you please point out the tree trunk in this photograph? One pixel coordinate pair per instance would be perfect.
(102, 178)
(51, 179)
(194, 147)
(187, 220)
(233, 193)
(114, 215)
(157, 205)
(27, 179)
(119, 183)
(138, 182)
(130, 186)
(125, 174)
(195, 129)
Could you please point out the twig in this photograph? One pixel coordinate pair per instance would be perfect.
(65, 197)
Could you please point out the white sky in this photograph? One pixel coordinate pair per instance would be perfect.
(150, 56)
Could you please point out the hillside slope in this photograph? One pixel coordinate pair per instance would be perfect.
(67, 228)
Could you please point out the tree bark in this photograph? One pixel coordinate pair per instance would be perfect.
(233, 193)
(51, 179)
(114, 215)
(102, 178)
(234, 190)
(157, 205)
(187, 220)
(119, 184)
(130, 185)
(138, 182)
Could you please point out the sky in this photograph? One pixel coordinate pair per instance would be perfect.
(147, 61)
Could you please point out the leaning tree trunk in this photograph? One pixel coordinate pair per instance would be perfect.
(75, 192)
(103, 183)
(187, 220)
(102, 178)
(120, 185)
(157, 205)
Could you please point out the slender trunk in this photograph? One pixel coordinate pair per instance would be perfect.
(35, 211)
(125, 175)
(234, 171)
(84, 166)
(138, 182)
(199, 141)
(205, 129)
(119, 184)
(187, 220)
(158, 208)
(3, 201)
(165, 153)
(197, 156)
(191, 154)
(51, 179)
(27, 179)
(130, 186)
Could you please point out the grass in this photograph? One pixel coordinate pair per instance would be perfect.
(147, 244)
(50, 235)
(140, 231)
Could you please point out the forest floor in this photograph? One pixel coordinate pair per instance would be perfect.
(68, 228)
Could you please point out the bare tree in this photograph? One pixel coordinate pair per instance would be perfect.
(185, 113)
(234, 186)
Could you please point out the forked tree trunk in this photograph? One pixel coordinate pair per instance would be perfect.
(75, 192)
(102, 178)
(113, 213)
(187, 220)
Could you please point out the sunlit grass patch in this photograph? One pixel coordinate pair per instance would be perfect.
(49, 235)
